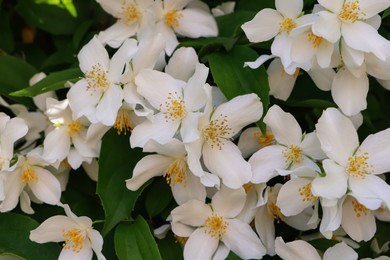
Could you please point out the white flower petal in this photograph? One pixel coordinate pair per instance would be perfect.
(259, 61)
(264, 26)
(169, 35)
(302, 50)
(25, 203)
(281, 47)
(265, 228)
(197, 23)
(173, 148)
(182, 64)
(311, 146)
(331, 218)
(83, 100)
(373, 7)
(328, 25)
(228, 202)
(281, 84)
(47, 188)
(377, 68)
(297, 249)
(92, 54)
(289, 8)
(285, 128)
(191, 189)
(96, 243)
(149, 51)
(85, 253)
(200, 239)
(120, 58)
(56, 145)
(195, 96)
(341, 251)
(192, 213)
(323, 78)
(334, 6)
(116, 34)
(242, 240)
(13, 188)
(51, 229)
(248, 143)
(109, 104)
(337, 135)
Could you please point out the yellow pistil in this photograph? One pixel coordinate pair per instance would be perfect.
(174, 107)
(305, 192)
(130, 13)
(28, 175)
(216, 131)
(264, 141)
(358, 166)
(74, 128)
(215, 226)
(274, 211)
(293, 154)
(97, 78)
(286, 25)
(350, 12)
(123, 122)
(359, 208)
(314, 39)
(74, 239)
(172, 18)
(176, 172)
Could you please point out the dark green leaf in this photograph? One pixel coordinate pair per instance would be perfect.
(15, 74)
(382, 232)
(135, 241)
(7, 41)
(158, 197)
(386, 13)
(53, 81)
(318, 103)
(254, 5)
(229, 24)
(116, 164)
(170, 248)
(14, 238)
(80, 33)
(323, 244)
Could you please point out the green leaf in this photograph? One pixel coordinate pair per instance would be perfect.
(170, 248)
(116, 163)
(233, 79)
(80, 33)
(386, 13)
(15, 74)
(135, 241)
(382, 232)
(51, 18)
(254, 5)
(323, 244)
(318, 103)
(14, 238)
(53, 81)
(158, 197)
(7, 41)
(229, 24)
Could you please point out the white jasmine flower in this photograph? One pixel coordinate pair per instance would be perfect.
(252, 139)
(224, 8)
(212, 226)
(80, 239)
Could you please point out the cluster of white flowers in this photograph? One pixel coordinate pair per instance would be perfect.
(328, 180)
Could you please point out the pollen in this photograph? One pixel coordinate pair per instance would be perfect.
(74, 239)
(217, 131)
(74, 128)
(295, 75)
(130, 13)
(358, 166)
(176, 173)
(97, 78)
(286, 25)
(123, 122)
(350, 11)
(262, 140)
(359, 209)
(216, 226)
(293, 154)
(314, 39)
(305, 192)
(174, 107)
(247, 187)
(28, 175)
(181, 240)
(172, 18)
(274, 211)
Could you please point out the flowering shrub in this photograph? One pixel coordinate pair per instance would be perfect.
(170, 129)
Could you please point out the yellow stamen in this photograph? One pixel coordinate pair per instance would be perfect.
(295, 75)
(305, 192)
(97, 78)
(216, 226)
(172, 18)
(74, 239)
(130, 13)
(350, 11)
(74, 128)
(247, 187)
(174, 107)
(358, 166)
(359, 208)
(286, 25)
(293, 154)
(314, 39)
(181, 240)
(264, 141)
(176, 172)
(274, 211)
(123, 122)
(28, 175)
(216, 131)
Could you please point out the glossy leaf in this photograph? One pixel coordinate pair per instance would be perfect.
(158, 197)
(135, 241)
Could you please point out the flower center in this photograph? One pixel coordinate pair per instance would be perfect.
(123, 122)
(28, 175)
(305, 192)
(264, 141)
(216, 226)
(176, 172)
(358, 166)
(74, 128)
(314, 39)
(350, 11)
(172, 18)
(359, 208)
(74, 239)
(97, 78)
(175, 108)
(293, 154)
(130, 13)
(286, 25)
(274, 211)
(217, 130)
